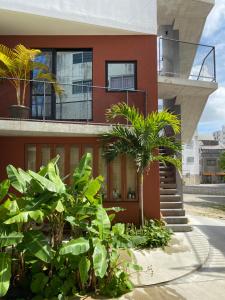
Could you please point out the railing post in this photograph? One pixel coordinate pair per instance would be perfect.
(44, 108)
(214, 63)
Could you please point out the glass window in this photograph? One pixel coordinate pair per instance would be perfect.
(102, 165)
(131, 171)
(121, 75)
(74, 158)
(61, 163)
(70, 67)
(31, 157)
(211, 162)
(116, 179)
(45, 154)
(82, 87)
(190, 160)
(41, 102)
(76, 101)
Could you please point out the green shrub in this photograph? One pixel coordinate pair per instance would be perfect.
(153, 234)
(37, 260)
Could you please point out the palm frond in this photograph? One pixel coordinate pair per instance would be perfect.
(129, 113)
(51, 79)
(169, 159)
(159, 120)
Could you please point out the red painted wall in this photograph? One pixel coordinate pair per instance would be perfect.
(139, 48)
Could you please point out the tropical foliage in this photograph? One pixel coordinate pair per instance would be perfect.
(141, 139)
(153, 234)
(222, 161)
(57, 241)
(17, 64)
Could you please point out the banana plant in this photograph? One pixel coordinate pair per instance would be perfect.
(33, 243)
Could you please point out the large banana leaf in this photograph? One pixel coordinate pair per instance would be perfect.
(44, 182)
(8, 238)
(55, 178)
(93, 188)
(5, 273)
(102, 222)
(83, 172)
(23, 217)
(84, 267)
(4, 188)
(100, 260)
(17, 180)
(75, 247)
(36, 244)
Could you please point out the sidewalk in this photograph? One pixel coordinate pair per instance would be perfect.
(186, 253)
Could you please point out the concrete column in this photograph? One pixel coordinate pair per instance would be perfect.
(169, 50)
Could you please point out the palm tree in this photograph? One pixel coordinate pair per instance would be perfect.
(17, 64)
(141, 139)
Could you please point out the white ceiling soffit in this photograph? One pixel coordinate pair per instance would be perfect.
(191, 95)
(187, 16)
(73, 17)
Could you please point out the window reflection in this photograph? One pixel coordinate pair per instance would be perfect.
(121, 76)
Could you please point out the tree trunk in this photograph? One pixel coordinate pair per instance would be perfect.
(141, 198)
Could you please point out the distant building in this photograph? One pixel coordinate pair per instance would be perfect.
(210, 152)
(190, 158)
(220, 136)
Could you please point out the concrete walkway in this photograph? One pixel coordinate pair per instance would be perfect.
(207, 283)
(185, 253)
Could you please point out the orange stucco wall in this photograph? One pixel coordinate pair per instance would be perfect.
(138, 48)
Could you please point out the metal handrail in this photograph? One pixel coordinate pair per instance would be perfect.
(40, 106)
(197, 76)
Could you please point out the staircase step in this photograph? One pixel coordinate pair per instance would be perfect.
(179, 227)
(168, 191)
(166, 173)
(170, 198)
(176, 220)
(168, 185)
(172, 212)
(171, 205)
(167, 179)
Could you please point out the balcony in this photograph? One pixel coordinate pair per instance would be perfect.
(186, 73)
(64, 115)
(186, 60)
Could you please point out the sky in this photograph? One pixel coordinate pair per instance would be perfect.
(213, 117)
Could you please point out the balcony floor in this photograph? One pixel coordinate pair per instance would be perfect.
(191, 95)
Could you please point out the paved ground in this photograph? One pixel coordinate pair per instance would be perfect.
(205, 205)
(208, 283)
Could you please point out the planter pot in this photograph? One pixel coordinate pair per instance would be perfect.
(19, 112)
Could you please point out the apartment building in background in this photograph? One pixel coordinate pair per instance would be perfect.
(191, 161)
(104, 52)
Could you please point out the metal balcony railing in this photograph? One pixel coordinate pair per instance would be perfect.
(186, 60)
(78, 102)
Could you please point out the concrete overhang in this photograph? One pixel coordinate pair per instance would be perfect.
(187, 16)
(41, 128)
(191, 95)
(80, 17)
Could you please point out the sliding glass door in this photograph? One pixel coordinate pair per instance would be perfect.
(73, 70)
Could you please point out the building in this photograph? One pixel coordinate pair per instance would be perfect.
(210, 152)
(104, 52)
(190, 161)
(220, 135)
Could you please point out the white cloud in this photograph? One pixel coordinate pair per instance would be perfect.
(215, 19)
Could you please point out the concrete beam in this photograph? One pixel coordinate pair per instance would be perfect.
(39, 128)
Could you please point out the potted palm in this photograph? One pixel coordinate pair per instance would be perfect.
(16, 66)
(141, 140)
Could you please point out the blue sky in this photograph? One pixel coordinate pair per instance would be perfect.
(213, 116)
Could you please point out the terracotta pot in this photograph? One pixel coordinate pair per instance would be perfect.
(19, 112)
